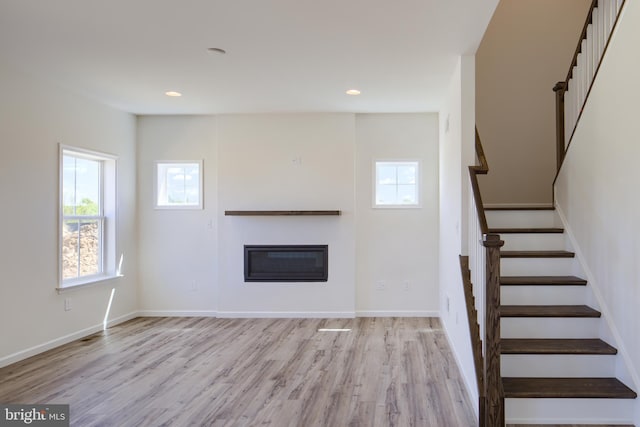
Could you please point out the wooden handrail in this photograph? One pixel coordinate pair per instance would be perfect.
(484, 166)
(474, 171)
(562, 145)
(491, 399)
(474, 333)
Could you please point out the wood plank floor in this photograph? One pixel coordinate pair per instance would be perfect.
(251, 372)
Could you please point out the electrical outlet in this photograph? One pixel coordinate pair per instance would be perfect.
(194, 286)
(67, 304)
(380, 285)
(405, 285)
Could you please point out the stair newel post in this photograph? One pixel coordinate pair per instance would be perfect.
(494, 411)
(560, 88)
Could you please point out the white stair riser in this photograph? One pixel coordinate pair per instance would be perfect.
(543, 295)
(549, 327)
(536, 266)
(569, 411)
(556, 365)
(533, 241)
(527, 219)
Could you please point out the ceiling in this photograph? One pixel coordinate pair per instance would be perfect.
(282, 55)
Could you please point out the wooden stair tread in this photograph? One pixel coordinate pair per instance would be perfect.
(520, 208)
(609, 388)
(548, 311)
(536, 254)
(515, 230)
(556, 346)
(542, 281)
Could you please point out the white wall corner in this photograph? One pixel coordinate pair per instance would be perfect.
(468, 131)
(453, 170)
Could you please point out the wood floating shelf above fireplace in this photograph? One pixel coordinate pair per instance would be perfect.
(282, 213)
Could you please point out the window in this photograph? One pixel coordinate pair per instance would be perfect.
(87, 216)
(179, 185)
(396, 184)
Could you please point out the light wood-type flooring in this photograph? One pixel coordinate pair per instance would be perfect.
(251, 372)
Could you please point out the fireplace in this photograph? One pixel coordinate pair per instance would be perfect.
(286, 263)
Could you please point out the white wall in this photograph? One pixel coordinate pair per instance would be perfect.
(287, 162)
(178, 248)
(34, 117)
(526, 49)
(397, 246)
(456, 142)
(190, 262)
(596, 191)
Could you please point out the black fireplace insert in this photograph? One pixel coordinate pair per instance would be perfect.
(286, 263)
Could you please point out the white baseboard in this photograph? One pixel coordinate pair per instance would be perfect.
(287, 314)
(41, 348)
(177, 313)
(387, 313)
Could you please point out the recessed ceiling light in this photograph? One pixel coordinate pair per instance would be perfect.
(217, 50)
(173, 93)
(353, 92)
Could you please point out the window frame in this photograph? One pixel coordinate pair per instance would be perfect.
(107, 217)
(396, 163)
(195, 206)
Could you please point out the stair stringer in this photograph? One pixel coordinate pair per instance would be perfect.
(608, 331)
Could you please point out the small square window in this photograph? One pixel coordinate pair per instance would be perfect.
(396, 184)
(179, 185)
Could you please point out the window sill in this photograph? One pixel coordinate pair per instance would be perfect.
(97, 280)
(178, 207)
(397, 206)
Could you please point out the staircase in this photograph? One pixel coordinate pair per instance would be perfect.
(555, 368)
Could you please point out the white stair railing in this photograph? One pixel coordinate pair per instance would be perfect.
(572, 94)
(477, 262)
